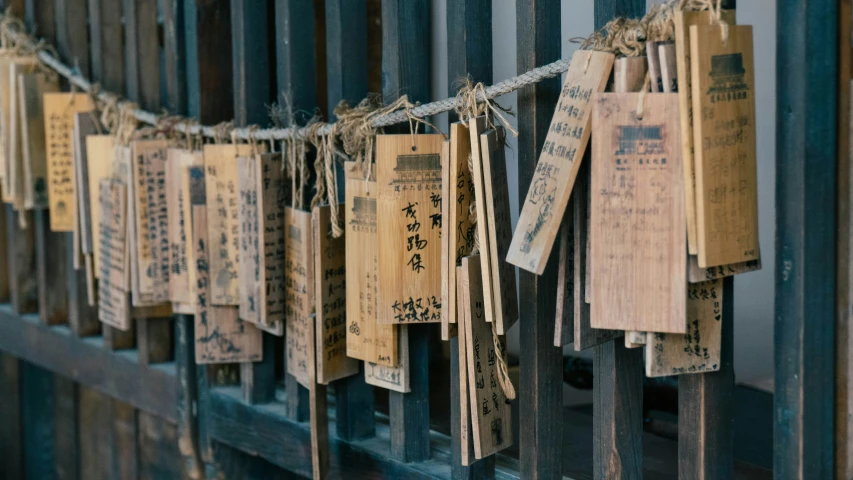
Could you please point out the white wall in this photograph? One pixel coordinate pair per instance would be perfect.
(753, 291)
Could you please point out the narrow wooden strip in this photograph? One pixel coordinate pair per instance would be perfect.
(319, 411)
(10, 426)
(23, 285)
(50, 265)
(37, 416)
(187, 417)
(66, 427)
(96, 434)
(564, 324)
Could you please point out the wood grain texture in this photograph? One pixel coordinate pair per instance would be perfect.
(13, 183)
(10, 428)
(85, 124)
(296, 53)
(696, 274)
(299, 251)
(564, 319)
(100, 150)
(251, 58)
(175, 57)
(319, 420)
(346, 52)
(107, 44)
(461, 238)
(51, 270)
(249, 271)
(392, 378)
(629, 73)
(669, 67)
(209, 60)
(272, 190)
(113, 301)
(466, 434)
(96, 434)
(180, 282)
(476, 127)
(20, 244)
(448, 263)
(653, 67)
(72, 41)
(66, 405)
(31, 91)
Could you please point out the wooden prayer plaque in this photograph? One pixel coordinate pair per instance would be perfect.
(447, 263)
(683, 21)
(491, 416)
(476, 126)
(669, 69)
(696, 274)
(561, 156)
(629, 74)
(220, 163)
(499, 222)
(113, 301)
(565, 314)
(392, 378)
(637, 215)
(331, 299)
(123, 172)
(698, 350)
(59, 110)
(13, 182)
(188, 175)
(220, 336)
(725, 152)
(100, 151)
(85, 124)
(656, 82)
(250, 267)
(409, 228)
(461, 237)
(6, 57)
(366, 339)
(299, 285)
(466, 440)
(272, 193)
(32, 88)
(177, 161)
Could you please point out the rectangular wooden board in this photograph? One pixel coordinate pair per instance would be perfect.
(559, 161)
(318, 420)
(188, 175)
(653, 59)
(392, 378)
(330, 287)
(85, 124)
(682, 22)
(299, 284)
(273, 191)
(460, 232)
(6, 57)
(113, 300)
(476, 126)
(564, 328)
(448, 267)
(32, 89)
(669, 69)
(697, 350)
(491, 416)
(696, 274)
(250, 266)
(14, 180)
(123, 172)
(466, 440)
(409, 228)
(59, 110)
(725, 145)
(366, 339)
(100, 150)
(177, 161)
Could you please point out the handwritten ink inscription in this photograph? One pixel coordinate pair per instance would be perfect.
(113, 304)
(299, 287)
(179, 272)
(152, 220)
(392, 378)
(250, 264)
(272, 192)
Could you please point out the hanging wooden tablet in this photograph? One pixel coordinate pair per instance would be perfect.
(272, 192)
(461, 237)
(392, 378)
(448, 329)
(330, 287)
(220, 336)
(564, 328)
(318, 411)
(366, 339)
(59, 110)
(724, 139)
(177, 161)
(32, 88)
(6, 57)
(697, 350)
(113, 299)
(250, 266)
(223, 224)
(555, 174)
(299, 284)
(696, 274)
(187, 173)
(629, 74)
(637, 211)
(85, 124)
(124, 173)
(682, 22)
(499, 222)
(668, 66)
(656, 82)
(409, 228)
(10, 124)
(14, 181)
(476, 126)
(466, 439)
(100, 151)
(491, 416)
(634, 339)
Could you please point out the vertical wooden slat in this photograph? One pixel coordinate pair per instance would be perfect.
(50, 266)
(40, 17)
(72, 35)
(158, 455)
(67, 428)
(11, 439)
(82, 317)
(405, 70)
(5, 272)
(175, 56)
(132, 64)
(23, 285)
(154, 340)
(96, 435)
(125, 462)
(208, 54)
(187, 396)
(806, 157)
(540, 391)
(37, 416)
(107, 44)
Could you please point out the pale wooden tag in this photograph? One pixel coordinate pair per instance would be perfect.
(559, 161)
(725, 152)
(499, 222)
(392, 378)
(223, 223)
(250, 265)
(564, 332)
(113, 301)
(466, 440)
(460, 232)
(59, 110)
(409, 228)
(14, 181)
(476, 126)
(85, 124)
(299, 284)
(448, 330)
(100, 150)
(653, 59)
(318, 411)
(698, 350)
(637, 215)
(696, 274)
(272, 192)
(220, 336)
(193, 173)
(366, 339)
(682, 22)
(123, 172)
(32, 88)
(177, 161)
(330, 282)
(629, 74)
(669, 69)
(491, 416)
(6, 57)
(10, 119)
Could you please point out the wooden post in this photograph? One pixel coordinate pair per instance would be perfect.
(37, 416)
(540, 392)
(806, 223)
(11, 438)
(175, 56)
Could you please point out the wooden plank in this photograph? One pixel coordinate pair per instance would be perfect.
(125, 441)
(272, 189)
(67, 428)
(448, 264)
(392, 378)
(154, 340)
(180, 281)
(346, 52)
(72, 41)
(249, 271)
(23, 285)
(85, 124)
(82, 318)
(37, 414)
(50, 270)
(654, 67)
(13, 182)
(559, 161)
(113, 300)
(696, 274)
(295, 52)
(187, 397)
(319, 410)
(299, 248)
(100, 150)
(476, 126)
(806, 226)
(466, 434)
(10, 427)
(209, 61)
(564, 324)
(142, 55)
(669, 67)
(461, 240)
(540, 397)
(174, 54)
(107, 44)
(251, 62)
(96, 435)
(637, 280)
(157, 448)
(629, 73)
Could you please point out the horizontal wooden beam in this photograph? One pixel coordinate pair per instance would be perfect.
(84, 360)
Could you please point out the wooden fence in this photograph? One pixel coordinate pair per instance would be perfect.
(79, 400)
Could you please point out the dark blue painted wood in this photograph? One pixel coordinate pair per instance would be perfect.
(208, 56)
(805, 237)
(251, 62)
(106, 43)
(174, 57)
(38, 426)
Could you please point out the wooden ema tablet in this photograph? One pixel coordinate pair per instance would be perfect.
(683, 21)
(6, 56)
(177, 161)
(220, 163)
(466, 439)
(152, 221)
(100, 150)
(299, 285)
(330, 287)
(725, 152)
(366, 339)
(14, 182)
(637, 215)
(318, 411)
(220, 336)
(59, 110)
(250, 266)
(559, 161)
(564, 332)
(669, 69)
(113, 300)
(272, 192)
(461, 237)
(392, 378)
(196, 171)
(491, 416)
(696, 274)
(448, 330)
(123, 173)
(409, 228)
(476, 126)
(698, 350)
(85, 124)
(655, 80)
(499, 222)
(32, 88)
(10, 119)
